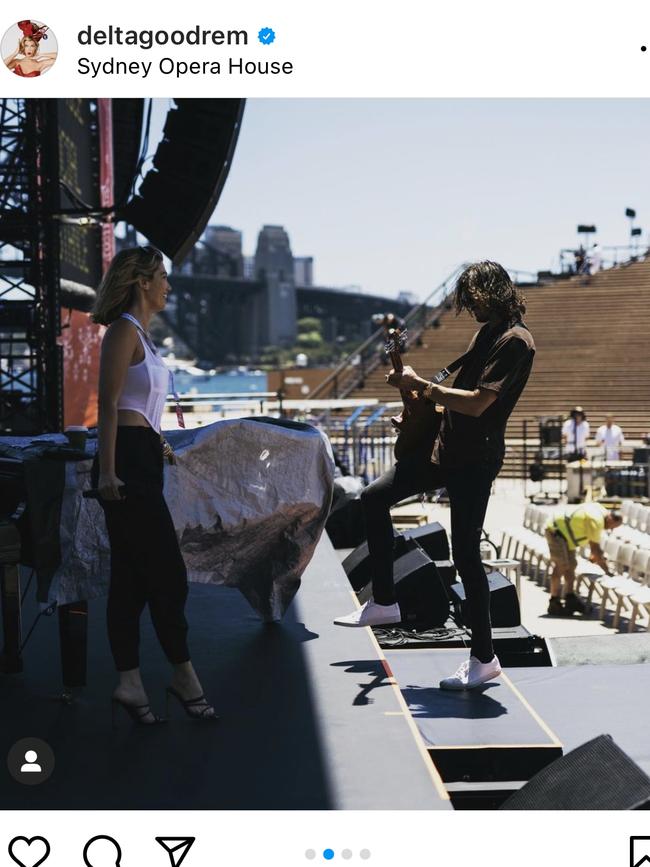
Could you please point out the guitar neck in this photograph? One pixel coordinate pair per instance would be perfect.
(396, 360)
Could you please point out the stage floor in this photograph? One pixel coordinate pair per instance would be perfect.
(580, 702)
(310, 718)
(526, 710)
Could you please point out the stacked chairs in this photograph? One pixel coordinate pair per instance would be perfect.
(627, 549)
(620, 584)
(528, 544)
(641, 596)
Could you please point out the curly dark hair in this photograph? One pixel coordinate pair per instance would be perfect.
(489, 283)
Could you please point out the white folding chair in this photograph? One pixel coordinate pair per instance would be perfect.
(643, 521)
(591, 573)
(624, 591)
(634, 514)
(620, 579)
(626, 505)
(529, 511)
(641, 597)
(543, 517)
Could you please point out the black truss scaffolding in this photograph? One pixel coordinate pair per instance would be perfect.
(31, 364)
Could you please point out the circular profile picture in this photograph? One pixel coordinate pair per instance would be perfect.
(29, 49)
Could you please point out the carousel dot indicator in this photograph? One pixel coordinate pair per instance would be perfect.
(347, 854)
(328, 854)
(365, 854)
(310, 854)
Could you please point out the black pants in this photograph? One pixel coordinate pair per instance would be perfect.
(147, 566)
(469, 491)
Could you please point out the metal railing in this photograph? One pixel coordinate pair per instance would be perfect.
(216, 401)
(364, 446)
(351, 373)
(611, 256)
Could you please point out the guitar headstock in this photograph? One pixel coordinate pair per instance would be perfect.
(396, 340)
(395, 345)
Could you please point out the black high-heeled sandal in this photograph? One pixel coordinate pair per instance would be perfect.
(137, 712)
(189, 703)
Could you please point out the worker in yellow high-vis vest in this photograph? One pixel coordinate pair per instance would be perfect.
(566, 531)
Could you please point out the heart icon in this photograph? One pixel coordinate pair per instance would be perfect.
(29, 853)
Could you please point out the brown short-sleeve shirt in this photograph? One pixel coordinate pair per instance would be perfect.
(501, 360)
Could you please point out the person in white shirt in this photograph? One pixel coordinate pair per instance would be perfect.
(575, 433)
(594, 259)
(611, 437)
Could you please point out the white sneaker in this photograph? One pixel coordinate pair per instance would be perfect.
(472, 673)
(371, 614)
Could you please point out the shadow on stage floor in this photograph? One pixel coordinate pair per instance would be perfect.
(265, 753)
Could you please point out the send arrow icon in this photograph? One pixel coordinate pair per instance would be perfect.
(176, 847)
(639, 851)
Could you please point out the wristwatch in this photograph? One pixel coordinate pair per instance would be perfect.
(427, 391)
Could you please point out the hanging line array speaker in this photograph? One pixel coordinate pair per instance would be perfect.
(179, 194)
(127, 131)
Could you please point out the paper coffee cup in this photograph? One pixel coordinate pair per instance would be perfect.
(77, 435)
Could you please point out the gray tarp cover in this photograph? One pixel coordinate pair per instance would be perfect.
(249, 499)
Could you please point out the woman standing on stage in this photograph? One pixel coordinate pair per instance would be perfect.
(147, 566)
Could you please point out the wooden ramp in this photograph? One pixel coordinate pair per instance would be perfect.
(489, 739)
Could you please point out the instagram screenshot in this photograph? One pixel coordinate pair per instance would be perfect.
(324, 434)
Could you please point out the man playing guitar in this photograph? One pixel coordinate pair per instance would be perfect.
(465, 458)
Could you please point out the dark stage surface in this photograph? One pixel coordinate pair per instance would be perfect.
(528, 707)
(582, 701)
(309, 718)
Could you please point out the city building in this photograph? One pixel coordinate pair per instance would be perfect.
(303, 270)
(274, 269)
(229, 307)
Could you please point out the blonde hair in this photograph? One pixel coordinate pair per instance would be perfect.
(117, 291)
(21, 44)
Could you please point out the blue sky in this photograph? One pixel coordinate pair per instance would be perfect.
(391, 195)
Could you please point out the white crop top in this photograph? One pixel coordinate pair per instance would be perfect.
(147, 383)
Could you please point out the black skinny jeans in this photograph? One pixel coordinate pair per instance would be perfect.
(147, 566)
(469, 491)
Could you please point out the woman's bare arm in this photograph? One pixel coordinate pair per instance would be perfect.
(117, 351)
(11, 61)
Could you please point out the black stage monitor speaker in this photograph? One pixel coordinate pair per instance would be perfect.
(357, 564)
(432, 538)
(504, 605)
(596, 776)
(178, 196)
(421, 594)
